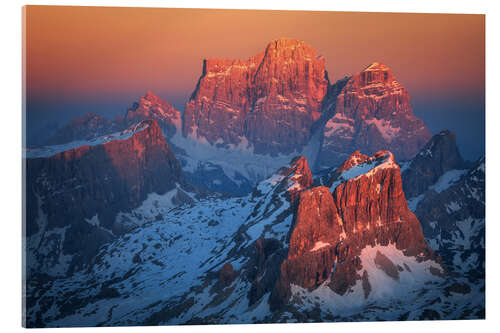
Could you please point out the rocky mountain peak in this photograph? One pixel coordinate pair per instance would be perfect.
(442, 147)
(271, 99)
(358, 165)
(289, 47)
(150, 96)
(353, 160)
(371, 194)
(437, 157)
(366, 209)
(89, 120)
(300, 168)
(298, 177)
(376, 66)
(86, 127)
(153, 107)
(369, 112)
(377, 73)
(376, 81)
(149, 104)
(96, 180)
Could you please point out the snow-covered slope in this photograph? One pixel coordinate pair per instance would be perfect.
(388, 277)
(452, 213)
(226, 168)
(47, 151)
(448, 196)
(217, 260)
(361, 166)
(171, 263)
(74, 193)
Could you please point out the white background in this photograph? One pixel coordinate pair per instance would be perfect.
(10, 157)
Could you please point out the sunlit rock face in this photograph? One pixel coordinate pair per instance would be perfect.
(366, 208)
(91, 126)
(79, 190)
(151, 106)
(351, 246)
(269, 101)
(371, 111)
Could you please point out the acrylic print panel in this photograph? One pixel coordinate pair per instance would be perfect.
(195, 166)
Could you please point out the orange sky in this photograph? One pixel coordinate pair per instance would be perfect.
(85, 50)
(101, 59)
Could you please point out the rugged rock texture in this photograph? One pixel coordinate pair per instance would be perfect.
(278, 102)
(448, 197)
(226, 275)
(367, 208)
(371, 112)
(299, 177)
(438, 156)
(317, 227)
(327, 226)
(79, 191)
(270, 100)
(283, 191)
(87, 127)
(290, 181)
(385, 264)
(376, 199)
(264, 267)
(92, 126)
(356, 158)
(187, 250)
(453, 220)
(221, 101)
(151, 106)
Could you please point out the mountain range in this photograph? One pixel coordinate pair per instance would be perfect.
(261, 112)
(275, 196)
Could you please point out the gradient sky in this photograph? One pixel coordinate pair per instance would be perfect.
(98, 59)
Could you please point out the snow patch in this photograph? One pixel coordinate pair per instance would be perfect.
(48, 151)
(385, 128)
(94, 220)
(384, 289)
(369, 168)
(447, 179)
(452, 207)
(319, 245)
(413, 202)
(234, 159)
